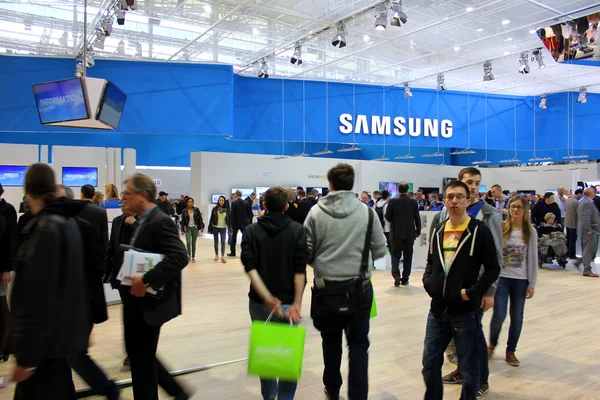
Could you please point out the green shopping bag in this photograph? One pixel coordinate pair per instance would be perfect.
(374, 305)
(276, 350)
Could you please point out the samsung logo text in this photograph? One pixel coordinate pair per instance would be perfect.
(399, 126)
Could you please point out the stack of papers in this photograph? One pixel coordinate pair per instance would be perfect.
(137, 263)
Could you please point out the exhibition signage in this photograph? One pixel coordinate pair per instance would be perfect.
(399, 126)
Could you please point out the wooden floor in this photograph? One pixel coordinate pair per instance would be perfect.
(559, 348)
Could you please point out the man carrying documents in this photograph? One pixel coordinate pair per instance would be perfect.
(150, 288)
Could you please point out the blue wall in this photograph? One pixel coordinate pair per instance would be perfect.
(174, 109)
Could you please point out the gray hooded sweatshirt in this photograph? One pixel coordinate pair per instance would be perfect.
(335, 234)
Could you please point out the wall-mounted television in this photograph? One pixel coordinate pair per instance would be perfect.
(79, 176)
(245, 191)
(111, 105)
(322, 190)
(391, 187)
(526, 191)
(60, 101)
(12, 175)
(214, 198)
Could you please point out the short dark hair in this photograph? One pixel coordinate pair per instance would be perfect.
(459, 184)
(68, 191)
(376, 192)
(506, 192)
(88, 191)
(547, 195)
(299, 188)
(341, 176)
(369, 196)
(579, 191)
(402, 187)
(253, 194)
(497, 186)
(40, 182)
(385, 194)
(302, 193)
(469, 171)
(276, 198)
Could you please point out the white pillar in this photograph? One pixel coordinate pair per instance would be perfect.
(44, 153)
(129, 162)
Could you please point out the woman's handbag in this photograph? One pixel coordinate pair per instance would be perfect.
(339, 303)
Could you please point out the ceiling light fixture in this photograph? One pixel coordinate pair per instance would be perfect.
(407, 92)
(263, 69)
(505, 22)
(440, 82)
(340, 38)
(537, 55)
(366, 38)
(297, 57)
(120, 14)
(524, 61)
(399, 15)
(255, 31)
(99, 42)
(456, 48)
(207, 8)
(469, 9)
(543, 102)
(582, 98)
(381, 17)
(480, 30)
(106, 26)
(487, 71)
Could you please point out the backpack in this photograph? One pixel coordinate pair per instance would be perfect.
(379, 211)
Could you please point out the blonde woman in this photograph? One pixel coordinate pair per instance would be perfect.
(112, 197)
(98, 199)
(517, 277)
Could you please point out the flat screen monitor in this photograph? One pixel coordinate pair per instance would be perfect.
(214, 198)
(526, 191)
(79, 176)
(112, 105)
(245, 192)
(12, 175)
(391, 187)
(60, 101)
(322, 190)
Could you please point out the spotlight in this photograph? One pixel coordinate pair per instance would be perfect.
(487, 71)
(340, 38)
(99, 42)
(582, 98)
(121, 48)
(64, 39)
(297, 57)
(381, 17)
(128, 5)
(89, 58)
(440, 82)
(399, 15)
(120, 17)
(263, 71)
(543, 102)
(407, 92)
(537, 54)
(524, 67)
(106, 26)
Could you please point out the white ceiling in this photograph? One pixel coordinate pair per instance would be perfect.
(455, 36)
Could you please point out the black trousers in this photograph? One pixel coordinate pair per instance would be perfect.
(402, 248)
(232, 244)
(52, 381)
(141, 342)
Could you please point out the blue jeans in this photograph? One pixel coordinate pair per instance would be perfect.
(270, 388)
(441, 328)
(571, 242)
(515, 289)
(357, 337)
(216, 232)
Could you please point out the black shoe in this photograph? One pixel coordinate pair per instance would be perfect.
(231, 255)
(114, 392)
(182, 396)
(331, 396)
(397, 282)
(404, 282)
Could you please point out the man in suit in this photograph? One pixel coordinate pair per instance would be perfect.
(8, 247)
(241, 216)
(144, 314)
(571, 207)
(405, 226)
(588, 228)
(250, 199)
(163, 203)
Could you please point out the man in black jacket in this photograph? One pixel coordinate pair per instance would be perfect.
(250, 199)
(405, 226)
(93, 224)
(163, 203)
(459, 247)
(8, 247)
(49, 319)
(274, 255)
(241, 217)
(547, 205)
(144, 314)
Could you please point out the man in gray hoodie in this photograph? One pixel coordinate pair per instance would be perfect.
(335, 233)
(489, 216)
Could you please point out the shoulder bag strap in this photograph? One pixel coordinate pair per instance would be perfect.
(364, 265)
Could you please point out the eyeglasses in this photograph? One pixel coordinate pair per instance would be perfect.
(517, 208)
(458, 197)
